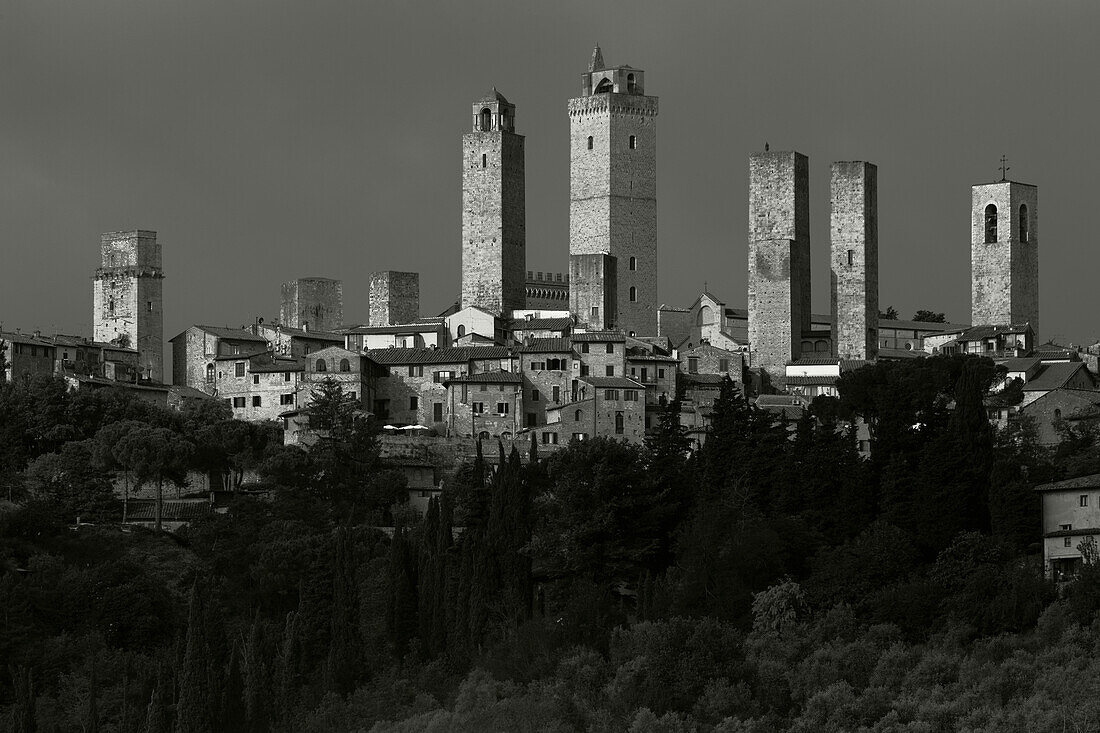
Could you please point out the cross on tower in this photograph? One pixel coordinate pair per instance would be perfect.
(1004, 169)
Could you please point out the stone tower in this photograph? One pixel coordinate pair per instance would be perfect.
(853, 238)
(494, 229)
(394, 298)
(779, 259)
(316, 303)
(128, 298)
(1004, 254)
(592, 296)
(613, 184)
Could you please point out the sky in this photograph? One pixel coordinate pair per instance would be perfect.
(266, 140)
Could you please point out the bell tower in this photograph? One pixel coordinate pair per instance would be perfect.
(494, 237)
(1004, 253)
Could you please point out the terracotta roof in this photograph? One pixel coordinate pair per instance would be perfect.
(426, 327)
(1020, 364)
(1092, 481)
(703, 379)
(542, 324)
(884, 353)
(613, 383)
(545, 346)
(172, 510)
(653, 357)
(444, 355)
(811, 381)
(264, 364)
(988, 331)
(601, 336)
(237, 334)
(1054, 376)
(814, 361)
(500, 377)
(320, 335)
(922, 326)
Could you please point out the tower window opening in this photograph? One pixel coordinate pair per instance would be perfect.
(1023, 224)
(486, 123)
(589, 142)
(850, 255)
(633, 264)
(633, 142)
(604, 86)
(484, 160)
(990, 224)
(322, 366)
(631, 84)
(633, 294)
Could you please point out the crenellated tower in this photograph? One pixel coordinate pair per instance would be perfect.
(127, 294)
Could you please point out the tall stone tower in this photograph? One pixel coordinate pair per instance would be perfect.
(128, 299)
(613, 184)
(394, 298)
(1004, 254)
(853, 235)
(315, 303)
(592, 296)
(779, 259)
(494, 228)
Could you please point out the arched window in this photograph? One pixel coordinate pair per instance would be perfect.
(483, 435)
(1023, 224)
(706, 316)
(633, 142)
(990, 224)
(631, 84)
(633, 264)
(619, 423)
(589, 142)
(633, 294)
(345, 365)
(209, 372)
(603, 87)
(577, 416)
(461, 331)
(322, 366)
(486, 123)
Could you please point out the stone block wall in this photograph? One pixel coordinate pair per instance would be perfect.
(853, 235)
(779, 258)
(127, 297)
(313, 302)
(393, 298)
(592, 290)
(1005, 273)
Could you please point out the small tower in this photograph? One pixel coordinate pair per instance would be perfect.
(853, 235)
(315, 303)
(779, 259)
(494, 229)
(394, 298)
(592, 297)
(128, 298)
(613, 185)
(1004, 254)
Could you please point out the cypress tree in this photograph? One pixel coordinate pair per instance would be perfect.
(255, 680)
(289, 664)
(194, 705)
(344, 662)
(23, 709)
(232, 709)
(157, 718)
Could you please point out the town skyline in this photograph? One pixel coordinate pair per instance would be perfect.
(283, 168)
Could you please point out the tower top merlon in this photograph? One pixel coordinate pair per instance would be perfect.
(494, 113)
(599, 79)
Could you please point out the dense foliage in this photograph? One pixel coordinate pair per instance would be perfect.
(772, 580)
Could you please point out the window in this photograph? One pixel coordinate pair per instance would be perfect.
(286, 376)
(286, 399)
(723, 365)
(483, 388)
(1024, 230)
(555, 364)
(486, 120)
(633, 264)
(633, 142)
(578, 416)
(851, 253)
(1065, 527)
(238, 403)
(440, 377)
(345, 365)
(382, 409)
(1067, 542)
(633, 294)
(549, 438)
(1083, 500)
(256, 402)
(645, 375)
(484, 161)
(620, 423)
(461, 330)
(532, 419)
(255, 378)
(534, 395)
(611, 348)
(693, 365)
(584, 348)
(437, 411)
(589, 142)
(660, 374)
(630, 395)
(416, 370)
(209, 372)
(611, 395)
(595, 313)
(584, 370)
(322, 366)
(557, 394)
(502, 408)
(609, 370)
(990, 224)
(477, 407)
(149, 306)
(631, 84)
(580, 436)
(238, 369)
(414, 402)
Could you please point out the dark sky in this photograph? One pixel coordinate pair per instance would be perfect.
(266, 140)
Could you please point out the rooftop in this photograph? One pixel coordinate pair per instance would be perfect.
(613, 383)
(1092, 481)
(1054, 376)
(444, 355)
(499, 377)
(545, 346)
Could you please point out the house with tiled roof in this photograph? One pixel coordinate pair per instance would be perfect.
(195, 350)
(602, 406)
(422, 334)
(1070, 517)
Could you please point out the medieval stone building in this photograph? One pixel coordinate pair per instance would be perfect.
(128, 307)
(853, 235)
(1004, 254)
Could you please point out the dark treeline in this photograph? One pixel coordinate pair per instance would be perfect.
(772, 580)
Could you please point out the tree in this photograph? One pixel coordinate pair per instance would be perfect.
(72, 481)
(345, 656)
(194, 708)
(346, 451)
(155, 454)
(925, 316)
(890, 314)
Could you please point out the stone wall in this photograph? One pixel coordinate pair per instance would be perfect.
(853, 233)
(313, 302)
(779, 258)
(1005, 273)
(592, 290)
(393, 298)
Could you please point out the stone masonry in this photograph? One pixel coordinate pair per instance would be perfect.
(394, 298)
(853, 238)
(494, 234)
(315, 303)
(592, 294)
(613, 185)
(1004, 254)
(127, 295)
(779, 259)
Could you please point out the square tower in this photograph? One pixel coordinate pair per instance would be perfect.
(394, 298)
(853, 237)
(127, 295)
(313, 303)
(592, 297)
(779, 258)
(1004, 254)
(613, 185)
(494, 217)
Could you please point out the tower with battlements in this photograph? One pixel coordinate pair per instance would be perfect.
(1004, 254)
(494, 229)
(127, 294)
(613, 185)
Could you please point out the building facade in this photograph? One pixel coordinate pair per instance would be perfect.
(128, 303)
